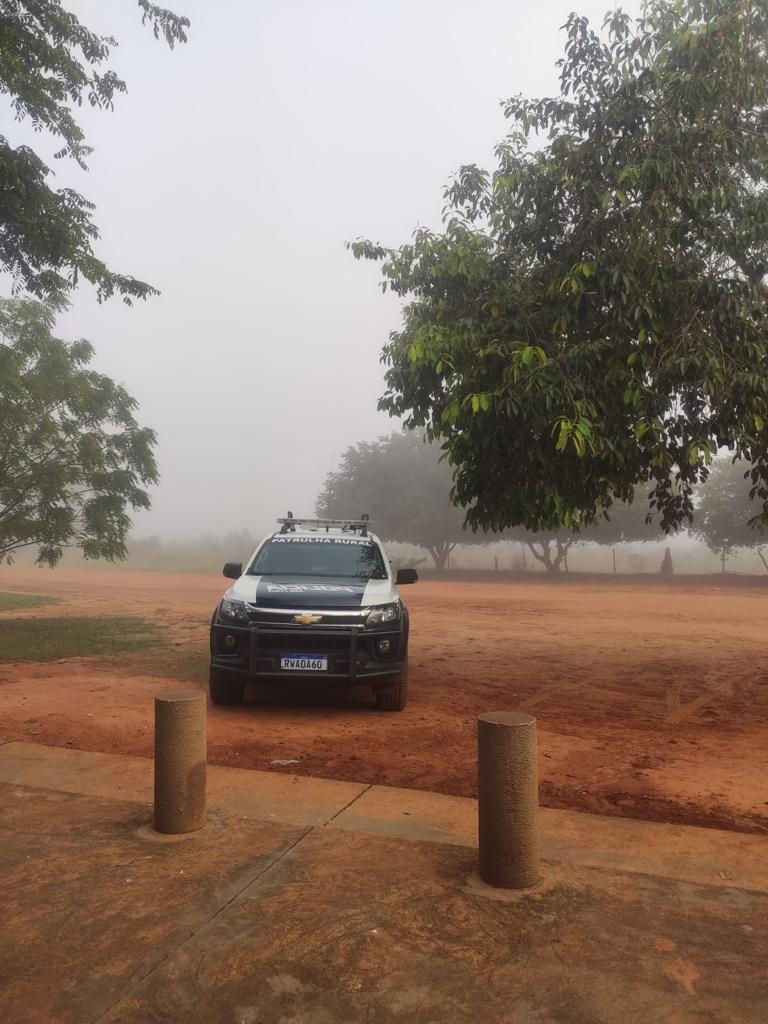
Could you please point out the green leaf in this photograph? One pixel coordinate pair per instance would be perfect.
(564, 433)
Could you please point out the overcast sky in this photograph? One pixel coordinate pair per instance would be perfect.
(230, 177)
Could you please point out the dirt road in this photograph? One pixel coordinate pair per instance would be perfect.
(652, 699)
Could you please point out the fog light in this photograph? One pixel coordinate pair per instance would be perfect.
(230, 641)
(383, 646)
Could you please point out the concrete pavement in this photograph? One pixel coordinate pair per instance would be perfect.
(313, 901)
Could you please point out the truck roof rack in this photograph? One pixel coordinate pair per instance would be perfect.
(290, 522)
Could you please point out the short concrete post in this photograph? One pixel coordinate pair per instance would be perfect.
(180, 759)
(508, 799)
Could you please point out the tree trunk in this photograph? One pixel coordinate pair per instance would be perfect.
(549, 548)
(552, 565)
(722, 560)
(613, 552)
(441, 553)
(762, 559)
(563, 547)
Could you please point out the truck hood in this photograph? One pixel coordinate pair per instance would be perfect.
(308, 592)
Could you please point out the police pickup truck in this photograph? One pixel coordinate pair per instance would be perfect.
(317, 600)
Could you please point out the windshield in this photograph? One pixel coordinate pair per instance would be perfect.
(319, 556)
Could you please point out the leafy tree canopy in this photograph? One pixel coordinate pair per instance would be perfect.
(73, 460)
(593, 315)
(404, 487)
(50, 63)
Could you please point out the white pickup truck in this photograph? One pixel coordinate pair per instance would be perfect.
(317, 599)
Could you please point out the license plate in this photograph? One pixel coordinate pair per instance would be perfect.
(304, 662)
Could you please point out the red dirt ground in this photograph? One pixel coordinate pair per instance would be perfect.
(651, 698)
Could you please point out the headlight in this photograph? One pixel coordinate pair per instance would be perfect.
(233, 611)
(383, 613)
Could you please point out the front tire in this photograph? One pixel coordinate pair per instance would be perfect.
(395, 697)
(224, 689)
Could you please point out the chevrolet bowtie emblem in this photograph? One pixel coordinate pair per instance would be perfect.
(306, 619)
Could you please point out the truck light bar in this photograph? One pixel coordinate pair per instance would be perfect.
(290, 522)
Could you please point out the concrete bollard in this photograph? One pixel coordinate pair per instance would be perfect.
(180, 759)
(508, 799)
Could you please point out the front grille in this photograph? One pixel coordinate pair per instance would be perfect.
(315, 643)
(271, 645)
(264, 617)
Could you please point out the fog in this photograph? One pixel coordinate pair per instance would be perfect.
(230, 177)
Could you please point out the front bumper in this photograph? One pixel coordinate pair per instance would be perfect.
(351, 650)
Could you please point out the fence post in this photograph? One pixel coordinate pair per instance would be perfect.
(180, 761)
(508, 799)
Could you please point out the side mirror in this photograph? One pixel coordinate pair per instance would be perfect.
(233, 570)
(406, 576)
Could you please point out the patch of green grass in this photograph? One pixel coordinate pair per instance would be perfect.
(187, 662)
(10, 602)
(51, 639)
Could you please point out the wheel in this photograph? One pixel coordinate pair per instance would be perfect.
(395, 697)
(224, 689)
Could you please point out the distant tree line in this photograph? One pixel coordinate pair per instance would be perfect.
(406, 487)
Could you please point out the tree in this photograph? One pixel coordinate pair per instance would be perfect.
(405, 487)
(550, 549)
(593, 315)
(628, 523)
(722, 515)
(50, 62)
(402, 484)
(73, 460)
